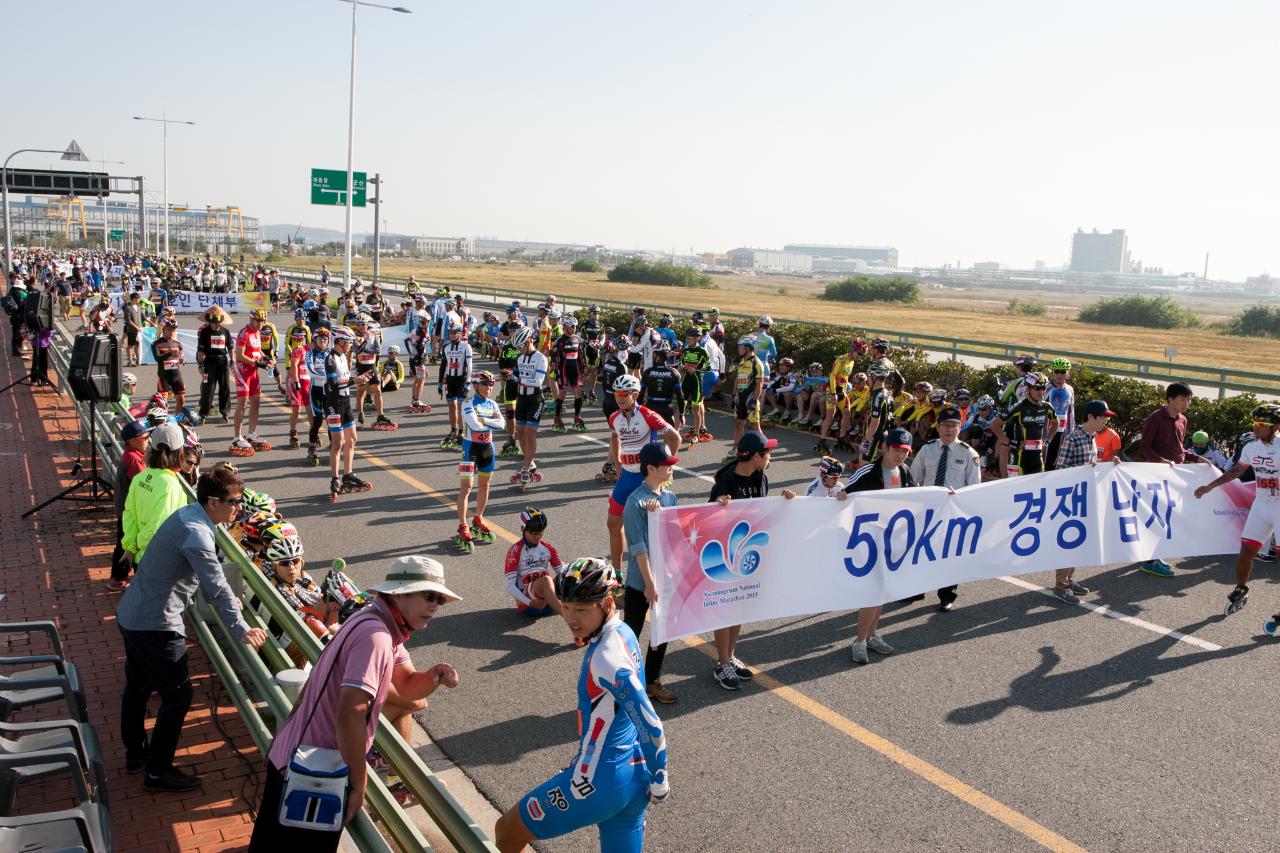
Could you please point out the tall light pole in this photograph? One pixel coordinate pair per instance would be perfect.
(102, 201)
(351, 127)
(71, 152)
(166, 121)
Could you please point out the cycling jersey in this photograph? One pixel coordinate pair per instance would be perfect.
(784, 383)
(365, 354)
(532, 370)
(619, 754)
(1026, 426)
(546, 334)
(856, 401)
(298, 335)
(270, 339)
(480, 418)
(881, 408)
(660, 386)
(635, 429)
(249, 341)
(1014, 392)
(455, 361)
(314, 361)
(1063, 401)
(766, 351)
(818, 489)
(1264, 458)
(215, 345)
(695, 359)
(167, 353)
(566, 358)
(749, 370)
(839, 376)
(526, 563)
(644, 348)
(337, 383)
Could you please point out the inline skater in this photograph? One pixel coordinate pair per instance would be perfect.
(531, 370)
(299, 379)
(640, 352)
(214, 345)
(748, 391)
(1014, 391)
(668, 334)
(391, 371)
(270, 346)
(439, 321)
(1062, 396)
(811, 401)
(715, 329)
(455, 376)
(631, 427)
(298, 332)
(695, 361)
(418, 345)
(718, 363)
(481, 417)
(879, 411)
(827, 484)
(593, 336)
(613, 367)
(549, 331)
(339, 416)
(621, 763)
(766, 347)
(660, 386)
(167, 351)
(1262, 457)
(566, 359)
(781, 389)
(366, 350)
(509, 388)
(249, 360)
(313, 361)
(1029, 427)
(531, 567)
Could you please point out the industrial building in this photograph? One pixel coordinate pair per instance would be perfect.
(873, 256)
(39, 219)
(770, 260)
(1092, 251)
(444, 247)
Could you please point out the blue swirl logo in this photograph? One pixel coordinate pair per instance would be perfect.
(742, 558)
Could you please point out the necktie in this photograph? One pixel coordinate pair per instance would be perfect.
(940, 478)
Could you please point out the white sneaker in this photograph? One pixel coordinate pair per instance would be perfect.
(879, 646)
(239, 441)
(773, 413)
(803, 421)
(858, 651)
(254, 438)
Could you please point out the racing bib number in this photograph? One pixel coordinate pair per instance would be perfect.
(367, 358)
(1033, 444)
(171, 364)
(1270, 484)
(218, 343)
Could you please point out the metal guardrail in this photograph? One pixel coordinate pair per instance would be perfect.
(231, 658)
(1222, 378)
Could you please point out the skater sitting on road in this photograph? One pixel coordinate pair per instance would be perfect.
(631, 427)
(481, 418)
(391, 373)
(656, 464)
(1262, 456)
(249, 359)
(340, 417)
(531, 567)
(350, 683)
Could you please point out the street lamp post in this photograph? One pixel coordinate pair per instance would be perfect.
(71, 152)
(102, 202)
(165, 121)
(351, 127)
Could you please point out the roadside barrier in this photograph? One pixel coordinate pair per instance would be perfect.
(1225, 380)
(249, 677)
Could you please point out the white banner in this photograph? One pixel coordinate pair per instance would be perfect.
(770, 558)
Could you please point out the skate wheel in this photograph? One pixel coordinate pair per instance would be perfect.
(1270, 627)
(537, 478)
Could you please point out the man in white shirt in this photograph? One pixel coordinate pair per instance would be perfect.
(948, 462)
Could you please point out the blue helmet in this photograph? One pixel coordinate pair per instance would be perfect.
(309, 305)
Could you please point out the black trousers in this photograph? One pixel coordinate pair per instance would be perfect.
(155, 662)
(15, 326)
(215, 371)
(119, 568)
(268, 834)
(39, 363)
(634, 608)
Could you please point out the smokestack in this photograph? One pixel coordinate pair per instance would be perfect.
(1206, 266)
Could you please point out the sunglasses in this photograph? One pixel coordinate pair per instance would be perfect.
(623, 393)
(1060, 373)
(435, 598)
(293, 562)
(236, 502)
(1261, 425)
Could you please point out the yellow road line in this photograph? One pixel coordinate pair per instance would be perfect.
(962, 791)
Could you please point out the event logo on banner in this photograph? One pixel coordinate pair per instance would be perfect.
(768, 558)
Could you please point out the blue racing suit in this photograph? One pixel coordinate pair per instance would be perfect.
(621, 758)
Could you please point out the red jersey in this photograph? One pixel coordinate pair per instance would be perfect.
(634, 431)
(250, 341)
(526, 563)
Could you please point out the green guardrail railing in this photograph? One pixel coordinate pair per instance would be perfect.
(236, 664)
(1223, 379)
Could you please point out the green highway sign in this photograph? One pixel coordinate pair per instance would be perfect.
(117, 234)
(329, 186)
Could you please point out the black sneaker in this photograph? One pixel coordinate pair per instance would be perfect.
(1265, 557)
(173, 780)
(726, 677)
(740, 669)
(133, 766)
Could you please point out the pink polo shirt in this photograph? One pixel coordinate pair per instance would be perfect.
(368, 648)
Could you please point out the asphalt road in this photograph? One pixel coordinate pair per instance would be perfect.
(1011, 723)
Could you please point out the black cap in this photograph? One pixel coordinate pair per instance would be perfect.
(949, 413)
(1097, 408)
(656, 453)
(752, 443)
(898, 437)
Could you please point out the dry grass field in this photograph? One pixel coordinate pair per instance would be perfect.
(978, 315)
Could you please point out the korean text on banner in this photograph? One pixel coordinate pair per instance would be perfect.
(770, 558)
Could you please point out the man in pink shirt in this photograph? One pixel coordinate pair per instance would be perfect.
(349, 683)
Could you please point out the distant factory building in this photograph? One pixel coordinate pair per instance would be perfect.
(874, 256)
(443, 247)
(771, 260)
(1092, 251)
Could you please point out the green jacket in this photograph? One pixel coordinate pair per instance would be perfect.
(153, 496)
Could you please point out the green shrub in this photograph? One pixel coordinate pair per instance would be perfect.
(643, 272)
(1260, 321)
(1153, 312)
(586, 265)
(1027, 309)
(864, 288)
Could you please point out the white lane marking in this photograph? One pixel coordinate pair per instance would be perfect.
(1104, 610)
(688, 471)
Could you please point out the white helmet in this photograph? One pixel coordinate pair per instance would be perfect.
(284, 548)
(766, 320)
(627, 382)
(521, 337)
(748, 341)
(128, 379)
(393, 350)
(553, 315)
(569, 322)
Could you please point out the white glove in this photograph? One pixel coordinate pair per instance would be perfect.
(659, 787)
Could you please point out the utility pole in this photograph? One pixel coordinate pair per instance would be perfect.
(1206, 266)
(377, 220)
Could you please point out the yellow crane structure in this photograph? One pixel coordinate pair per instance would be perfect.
(235, 221)
(62, 208)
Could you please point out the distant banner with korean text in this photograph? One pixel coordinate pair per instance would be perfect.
(770, 558)
(193, 302)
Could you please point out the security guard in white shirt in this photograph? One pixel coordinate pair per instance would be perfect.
(948, 462)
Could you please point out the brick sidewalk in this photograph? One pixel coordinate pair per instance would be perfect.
(58, 563)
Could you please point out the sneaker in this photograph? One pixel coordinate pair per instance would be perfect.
(1158, 568)
(879, 646)
(740, 669)
(133, 766)
(858, 651)
(240, 442)
(1064, 593)
(173, 780)
(726, 677)
(1265, 557)
(660, 694)
(1236, 600)
(1078, 589)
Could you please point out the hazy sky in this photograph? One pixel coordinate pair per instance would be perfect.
(954, 131)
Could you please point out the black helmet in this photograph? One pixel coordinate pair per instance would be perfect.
(587, 579)
(1268, 412)
(533, 520)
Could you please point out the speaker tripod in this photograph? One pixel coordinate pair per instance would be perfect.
(99, 488)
